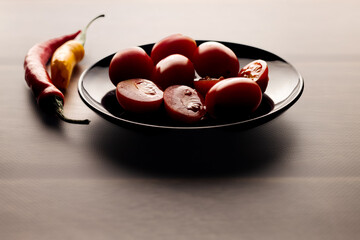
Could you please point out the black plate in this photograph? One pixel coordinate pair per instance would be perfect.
(285, 87)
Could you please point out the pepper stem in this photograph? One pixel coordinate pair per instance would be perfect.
(82, 36)
(58, 108)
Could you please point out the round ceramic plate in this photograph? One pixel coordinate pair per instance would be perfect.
(284, 89)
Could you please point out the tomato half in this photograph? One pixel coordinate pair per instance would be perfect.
(258, 71)
(203, 85)
(130, 63)
(139, 95)
(214, 59)
(173, 44)
(233, 97)
(184, 104)
(175, 69)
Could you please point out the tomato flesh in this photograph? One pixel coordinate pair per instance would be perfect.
(184, 104)
(130, 63)
(233, 97)
(214, 59)
(175, 69)
(173, 44)
(139, 95)
(258, 71)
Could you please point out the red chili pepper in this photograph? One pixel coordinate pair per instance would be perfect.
(47, 95)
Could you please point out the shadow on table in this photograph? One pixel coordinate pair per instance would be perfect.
(193, 154)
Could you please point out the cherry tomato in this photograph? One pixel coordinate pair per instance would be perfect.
(258, 71)
(130, 63)
(233, 97)
(215, 60)
(203, 85)
(139, 95)
(175, 69)
(173, 44)
(184, 104)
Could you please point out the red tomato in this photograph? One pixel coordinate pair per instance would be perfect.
(175, 69)
(233, 97)
(203, 85)
(173, 44)
(258, 71)
(139, 95)
(184, 104)
(215, 60)
(130, 63)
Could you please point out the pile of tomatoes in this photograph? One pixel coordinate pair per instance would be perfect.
(168, 79)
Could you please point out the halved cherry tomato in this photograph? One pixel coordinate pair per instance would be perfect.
(203, 85)
(175, 69)
(215, 60)
(258, 71)
(130, 63)
(233, 97)
(184, 104)
(173, 44)
(139, 95)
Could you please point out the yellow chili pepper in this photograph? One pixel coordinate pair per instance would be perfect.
(66, 57)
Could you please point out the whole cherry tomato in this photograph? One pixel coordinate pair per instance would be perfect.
(258, 71)
(214, 59)
(130, 63)
(139, 95)
(184, 104)
(203, 85)
(175, 69)
(233, 97)
(173, 44)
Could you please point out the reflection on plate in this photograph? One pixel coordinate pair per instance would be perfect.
(284, 89)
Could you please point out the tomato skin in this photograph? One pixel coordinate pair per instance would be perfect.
(233, 97)
(258, 71)
(175, 69)
(184, 104)
(139, 95)
(130, 63)
(173, 44)
(215, 60)
(203, 85)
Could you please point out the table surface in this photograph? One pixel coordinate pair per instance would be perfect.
(295, 177)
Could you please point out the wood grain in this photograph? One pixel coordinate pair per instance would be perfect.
(296, 177)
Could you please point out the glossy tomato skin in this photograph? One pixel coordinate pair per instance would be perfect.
(233, 97)
(203, 85)
(173, 44)
(214, 59)
(175, 69)
(258, 71)
(139, 95)
(184, 104)
(130, 63)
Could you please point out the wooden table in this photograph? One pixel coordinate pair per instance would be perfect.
(295, 177)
